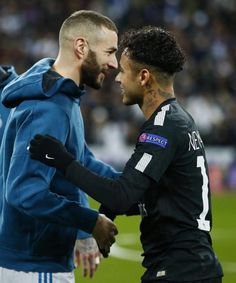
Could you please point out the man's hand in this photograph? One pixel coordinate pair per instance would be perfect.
(50, 151)
(111, 215)
(104, 232)
(86, 251)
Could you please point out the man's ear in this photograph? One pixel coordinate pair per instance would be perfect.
(144, 77)
(81, 47)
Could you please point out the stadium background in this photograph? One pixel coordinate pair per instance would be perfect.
(207, 88)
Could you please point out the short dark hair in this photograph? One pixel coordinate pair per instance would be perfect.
(85, 23)
(85, 17)
(153, 46)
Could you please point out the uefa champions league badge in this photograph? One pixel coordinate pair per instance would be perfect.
(154, 139)
(142, 138)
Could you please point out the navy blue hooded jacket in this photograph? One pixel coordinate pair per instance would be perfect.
(4, 112)
(40, 212)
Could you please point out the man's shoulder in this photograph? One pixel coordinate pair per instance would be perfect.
(169, 118)
(170, 124)
(173, 117)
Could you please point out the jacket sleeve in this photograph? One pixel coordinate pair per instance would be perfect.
(84, 202)
(29, 182)
(99, 167)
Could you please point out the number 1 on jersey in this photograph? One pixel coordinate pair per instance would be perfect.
(203, 224)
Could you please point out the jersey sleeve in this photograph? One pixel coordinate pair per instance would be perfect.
(117, 195)
(154, 152)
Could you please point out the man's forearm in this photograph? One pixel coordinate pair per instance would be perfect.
(118, 195)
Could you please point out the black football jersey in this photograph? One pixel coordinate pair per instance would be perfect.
(176, 209)
(167, 179)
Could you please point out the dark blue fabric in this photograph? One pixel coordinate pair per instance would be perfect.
(4, 112)
(40, 212)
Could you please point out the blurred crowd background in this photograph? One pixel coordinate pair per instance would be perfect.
(206, 87)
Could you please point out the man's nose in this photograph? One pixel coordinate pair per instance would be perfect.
(117, 78)
(113, 63)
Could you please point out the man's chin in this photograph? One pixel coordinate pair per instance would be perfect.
(99, 83)
(127, 101)
(95, 84)
(101, 79)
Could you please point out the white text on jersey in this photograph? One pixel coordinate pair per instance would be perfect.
(195, 141)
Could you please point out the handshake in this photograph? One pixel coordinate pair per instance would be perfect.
(52, 152)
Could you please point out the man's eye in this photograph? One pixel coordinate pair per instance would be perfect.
(110, 52)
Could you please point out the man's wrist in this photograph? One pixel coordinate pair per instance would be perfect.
(66, 162)
(107, 212)
(67, 167)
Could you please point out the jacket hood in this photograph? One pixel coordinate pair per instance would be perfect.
(39, 82)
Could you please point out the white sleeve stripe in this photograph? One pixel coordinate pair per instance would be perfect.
(143, 162)
(160, 117)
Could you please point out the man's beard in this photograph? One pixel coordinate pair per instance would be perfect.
(90, 71)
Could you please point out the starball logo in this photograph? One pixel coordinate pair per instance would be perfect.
(154, 139)
(143, 137)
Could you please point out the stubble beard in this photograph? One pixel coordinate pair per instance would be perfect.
(90, 71)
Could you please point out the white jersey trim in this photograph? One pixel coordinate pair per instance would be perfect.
(160, 117)
(143, 162)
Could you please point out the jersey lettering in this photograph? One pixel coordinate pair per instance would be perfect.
(195, 141)
(203, 224)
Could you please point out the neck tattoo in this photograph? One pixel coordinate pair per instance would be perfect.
(165, 94)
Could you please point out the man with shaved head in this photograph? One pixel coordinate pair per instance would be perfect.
(86, 34)
(41, 212)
